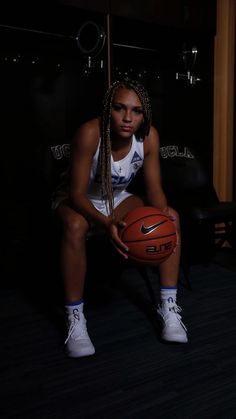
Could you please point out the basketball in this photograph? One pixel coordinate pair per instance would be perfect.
(149, 234)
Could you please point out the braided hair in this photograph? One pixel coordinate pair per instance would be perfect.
(105, 147)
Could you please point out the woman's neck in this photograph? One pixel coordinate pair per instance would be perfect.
(120, 143)
(120, 148)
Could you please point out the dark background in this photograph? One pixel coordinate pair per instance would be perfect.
(47, 90)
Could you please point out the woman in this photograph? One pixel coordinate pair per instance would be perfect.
(106, 154)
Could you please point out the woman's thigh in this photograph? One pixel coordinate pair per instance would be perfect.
(127, 205)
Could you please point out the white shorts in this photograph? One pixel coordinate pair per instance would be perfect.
(102, 206)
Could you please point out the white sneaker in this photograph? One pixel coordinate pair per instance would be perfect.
(173, 329)
(78, 342)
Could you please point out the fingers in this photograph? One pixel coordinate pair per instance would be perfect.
(171, 214)
(116, 241)
(120, 247)
(121, 224)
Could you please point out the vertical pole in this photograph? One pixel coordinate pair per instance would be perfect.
(224, 99)
(108, 27)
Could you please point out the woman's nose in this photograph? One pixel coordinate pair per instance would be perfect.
(127, 116)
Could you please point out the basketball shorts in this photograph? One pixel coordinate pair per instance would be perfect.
(102, 206)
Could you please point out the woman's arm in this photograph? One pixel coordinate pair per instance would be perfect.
(84, 147)
(152, 176)
(151, 170)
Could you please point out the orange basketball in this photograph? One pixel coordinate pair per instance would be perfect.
(149, 234)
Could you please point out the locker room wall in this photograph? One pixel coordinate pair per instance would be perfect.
(183, 113)
(46, 94)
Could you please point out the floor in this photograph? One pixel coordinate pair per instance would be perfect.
(133, 373)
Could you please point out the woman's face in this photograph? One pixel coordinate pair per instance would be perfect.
(127, 113)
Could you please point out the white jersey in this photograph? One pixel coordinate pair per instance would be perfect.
(122, 173)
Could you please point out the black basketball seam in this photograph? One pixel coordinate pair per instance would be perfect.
(147, 216)
(149, 261)
(144, 239)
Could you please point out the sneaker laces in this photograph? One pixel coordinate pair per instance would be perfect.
(77, 325)
(170, 313)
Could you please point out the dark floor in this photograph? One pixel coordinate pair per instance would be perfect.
(133, 374)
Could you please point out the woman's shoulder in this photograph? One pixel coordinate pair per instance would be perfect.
(153, 131)
(88, 131)
(91, 127)
(153, 135)
(87, 136)
(152, 141)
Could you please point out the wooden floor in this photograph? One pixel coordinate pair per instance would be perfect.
(133, 374)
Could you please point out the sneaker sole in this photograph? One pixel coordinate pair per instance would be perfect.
(81, 355)
(174, 341)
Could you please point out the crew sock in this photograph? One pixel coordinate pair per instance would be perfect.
(168, 292)
(75, 305)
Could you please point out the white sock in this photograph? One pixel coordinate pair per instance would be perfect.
(166, 293)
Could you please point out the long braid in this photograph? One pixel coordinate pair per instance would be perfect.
(105, 148)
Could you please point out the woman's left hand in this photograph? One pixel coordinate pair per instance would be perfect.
(173, 215)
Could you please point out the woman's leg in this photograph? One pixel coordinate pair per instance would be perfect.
(173, 328)
(73, 269)
(169, 270)
(127, 205)
(73, 251)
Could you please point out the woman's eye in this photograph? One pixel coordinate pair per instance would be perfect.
(138, 111)
(117, 107)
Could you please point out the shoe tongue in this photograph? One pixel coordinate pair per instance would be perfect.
(170, 300)
(76, 314)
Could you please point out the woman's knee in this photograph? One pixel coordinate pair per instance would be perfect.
(74, 225)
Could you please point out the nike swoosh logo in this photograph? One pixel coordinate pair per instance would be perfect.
(149, 229)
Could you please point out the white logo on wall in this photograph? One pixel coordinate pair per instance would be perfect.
(175, 151)
(61, 151)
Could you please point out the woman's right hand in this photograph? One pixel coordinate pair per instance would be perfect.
(113, 228)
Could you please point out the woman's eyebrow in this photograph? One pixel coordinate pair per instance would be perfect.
(123, 104)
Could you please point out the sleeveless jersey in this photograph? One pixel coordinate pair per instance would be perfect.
(122, 171)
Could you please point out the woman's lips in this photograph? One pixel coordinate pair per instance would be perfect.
(126, 129)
